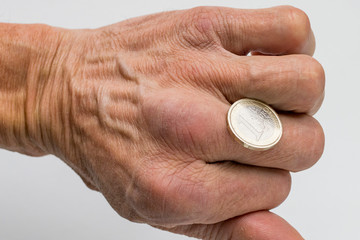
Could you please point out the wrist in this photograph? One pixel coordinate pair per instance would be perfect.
(28, 56)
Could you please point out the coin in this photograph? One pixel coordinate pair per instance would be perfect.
(255, 124)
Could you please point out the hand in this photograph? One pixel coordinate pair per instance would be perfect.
(138, 110)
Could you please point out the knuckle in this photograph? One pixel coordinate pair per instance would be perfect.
(296, 14)
(297, 18)
(204, 16)
(285, 186)
(201, 24)
(297, 22)
(173, 196)
(317, 143)
(314, 147)
(314, 81)
(283, 183)
(318, 76)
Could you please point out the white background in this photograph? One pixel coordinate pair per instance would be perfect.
(42, 199)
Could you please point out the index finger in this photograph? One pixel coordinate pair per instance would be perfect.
(275, 31)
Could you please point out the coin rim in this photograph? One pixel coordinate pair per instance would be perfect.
(244, 142)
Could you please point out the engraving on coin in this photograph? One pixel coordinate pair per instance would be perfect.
(254, 123)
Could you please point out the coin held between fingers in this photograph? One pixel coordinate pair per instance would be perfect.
(255, 124)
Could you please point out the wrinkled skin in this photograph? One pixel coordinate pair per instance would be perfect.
(138, 110)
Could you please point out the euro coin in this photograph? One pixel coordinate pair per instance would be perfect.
(255, 124)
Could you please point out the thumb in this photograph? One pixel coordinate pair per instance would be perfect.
(262, 225)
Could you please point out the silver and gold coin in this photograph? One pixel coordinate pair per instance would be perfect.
(255, 124)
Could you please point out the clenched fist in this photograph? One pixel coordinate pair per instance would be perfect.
(138, 110)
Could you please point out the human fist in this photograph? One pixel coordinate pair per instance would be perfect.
(138, 110)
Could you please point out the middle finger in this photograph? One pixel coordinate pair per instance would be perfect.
(288, 83)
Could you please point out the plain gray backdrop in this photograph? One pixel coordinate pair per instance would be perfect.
(43, 199)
